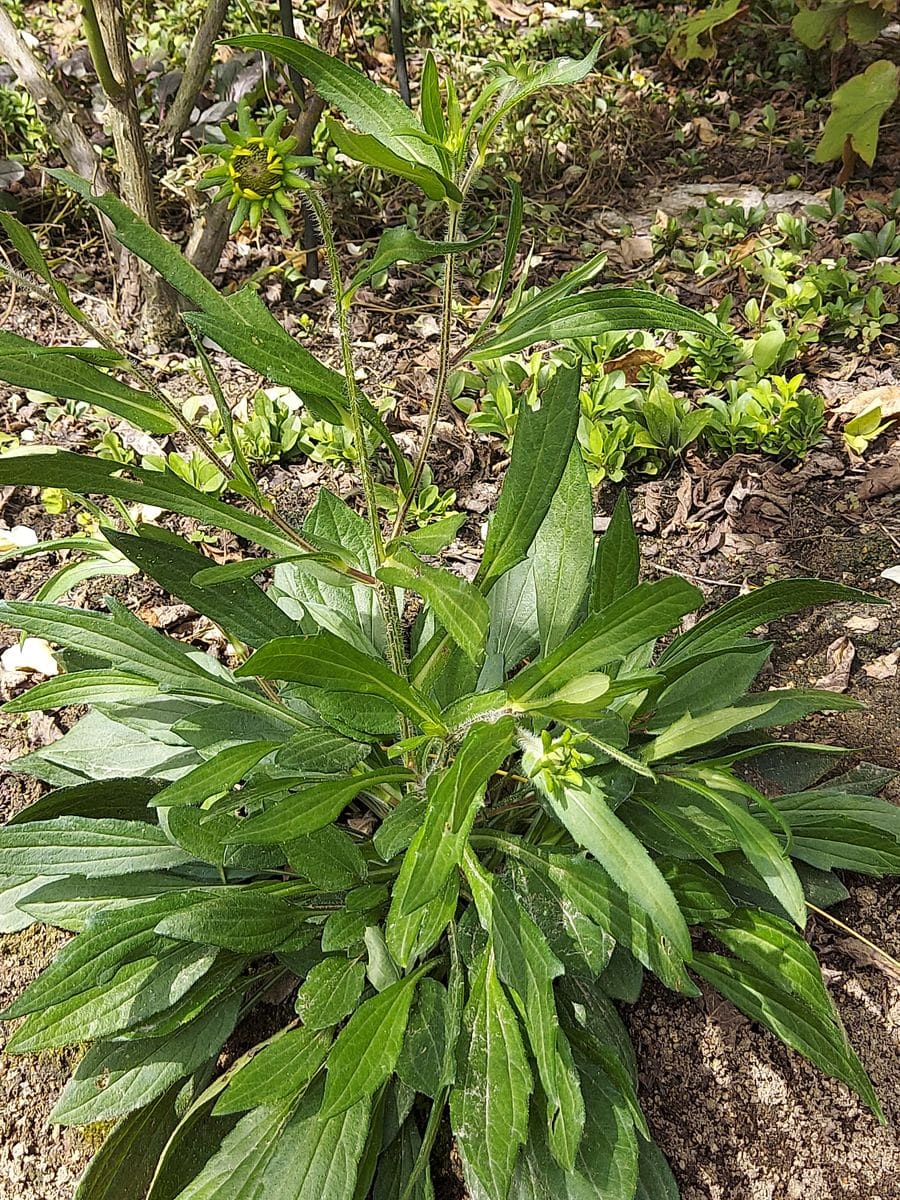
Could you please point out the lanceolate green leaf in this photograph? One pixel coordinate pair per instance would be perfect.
(81, 846)
(286, 1151)
(110, 939)
(775, 979)
(643, 614)
(689, 731)
(215, 776)
(331, 991)
(370, 151)
(126, 642)
(26, 245)
(239, 606)
(586, 814)
(402, 244)
(453, 797)
(489, 1103)
(307, 809)
(430, 99)
(761, 848)
(541, 449)
(71, 378)
(277, 1072)
(114, 1078)
(457, 604)
(585, 315)
(243, 920)
(527, 966)
(837, 829)
(372, 109)
(325, 661)
(135, 993)
(367, 1048)
(86, 476)
(83, 687)
(617, 562)
(240, 324)
(510, 247)
(562, 554)
(745, 613)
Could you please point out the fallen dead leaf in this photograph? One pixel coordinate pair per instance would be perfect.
(630, 364)
(839, 660)
(887, 398)
(862, 624)
(868, 956)
(885, 667)
(30, 657)
(880, 481)
(891, 573)
(634, 250)
(426, 326)
(705, 131)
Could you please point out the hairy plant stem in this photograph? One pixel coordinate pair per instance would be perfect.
(261, 503)
(440, 382)
(386, 598)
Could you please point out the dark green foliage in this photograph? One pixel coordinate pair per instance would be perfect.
(450, 863)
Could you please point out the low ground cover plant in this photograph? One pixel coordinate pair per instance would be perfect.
(447, 822)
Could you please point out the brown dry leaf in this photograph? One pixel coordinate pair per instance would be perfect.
(514, 12)
(42, 730)
(705, 131)
(862, 624)
(364, 823)
(634, 250)
(881, 481)
(839, 660)
(684, 502)
(885, 667)
(887, 398)
(867, 956)
(630, 364)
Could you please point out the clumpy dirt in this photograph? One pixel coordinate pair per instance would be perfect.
(740, 1117)
(38, 1161)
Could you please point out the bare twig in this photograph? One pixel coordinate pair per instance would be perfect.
(196, 69)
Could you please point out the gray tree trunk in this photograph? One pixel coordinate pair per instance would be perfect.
(144, 295)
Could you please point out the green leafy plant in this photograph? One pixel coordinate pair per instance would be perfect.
(450, 844)
(776, 415)
(875, 244)
(858, 105)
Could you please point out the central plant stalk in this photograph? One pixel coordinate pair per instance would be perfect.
(440, 383)
(385, 594)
